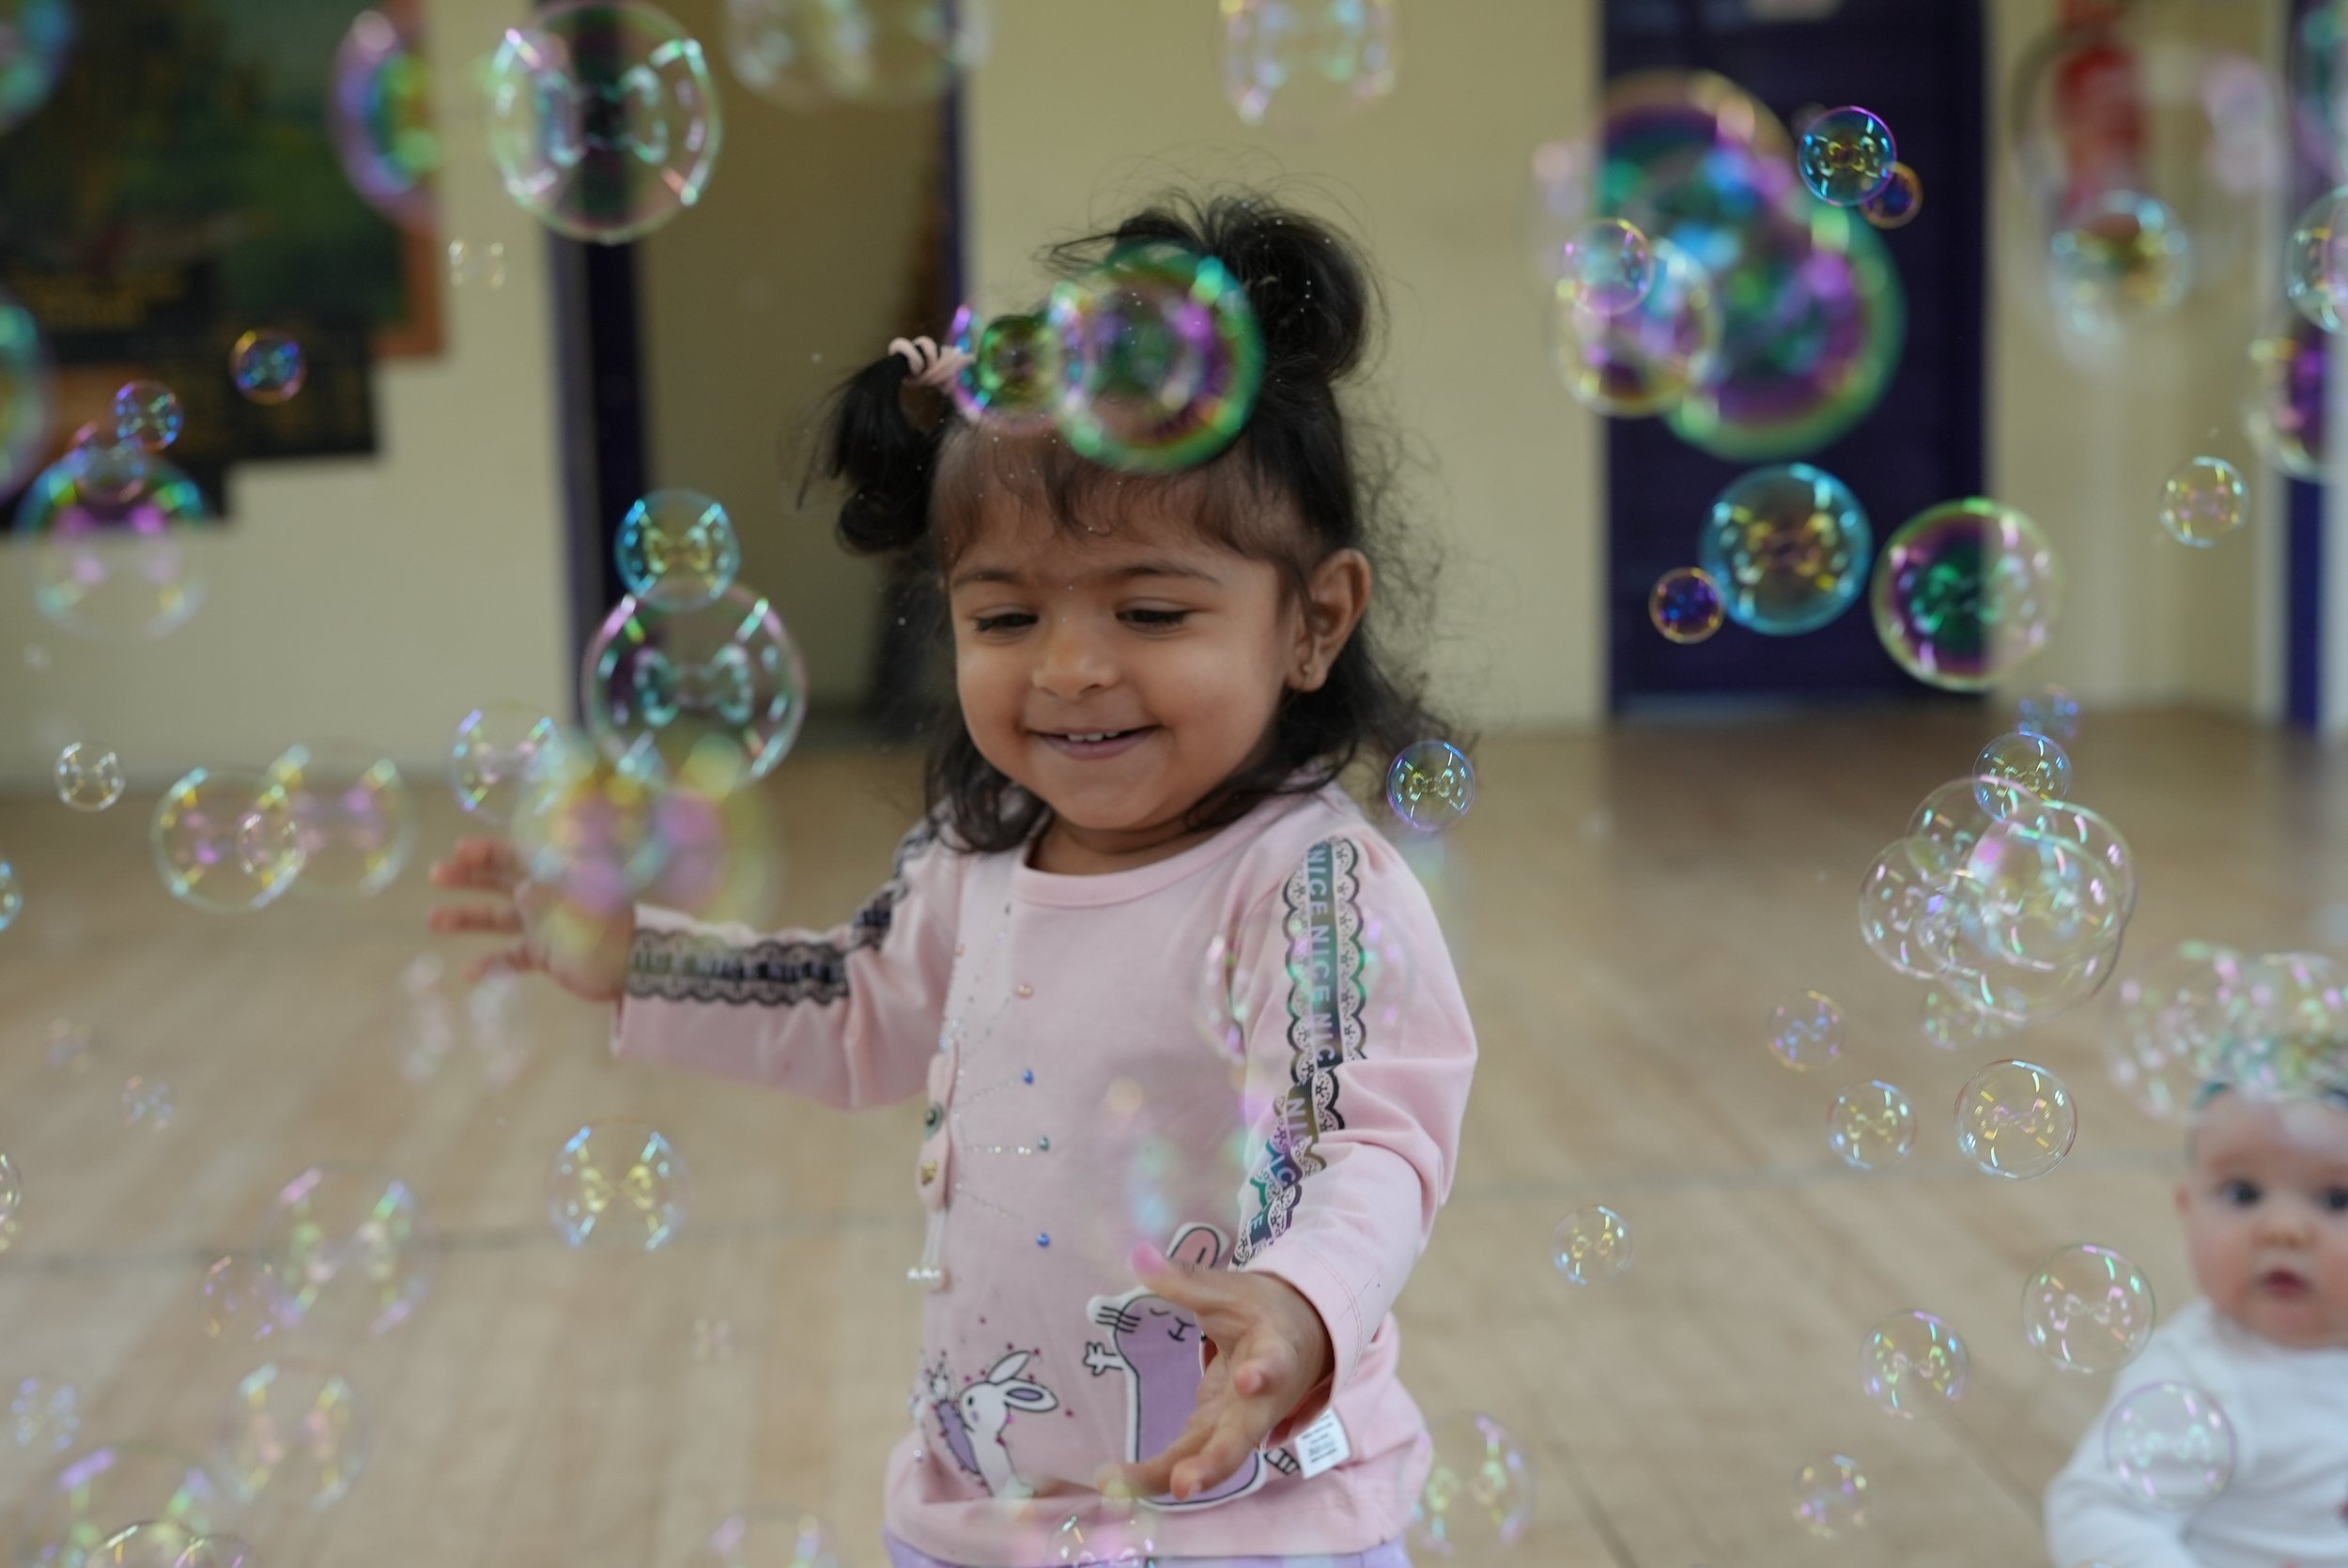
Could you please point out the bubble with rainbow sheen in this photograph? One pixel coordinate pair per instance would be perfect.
(349, 1252)
(106, 468)
(726, 673)
(2124, 261)
(352, 815)
(588, 828)
(2171, 1445)
(117, 571)
(38, 40)
(44, 1414)
(1109, 1542)
(472, 261)
(224, 841)
(2088, 1309)
(2204, 500)
(2092, 832)
(677, 549)
(1847, 156)
(1644, 359)
(2167, 1025)
(1591, 1246)
(1431, 785)
(1914, 1364)
(1830, 1497)
(2315, 277)
(380, 114)
(1479, 1494)
(805, 54)
(12, 896)
(149, 414)
(492, 753)
(780, 1536)
(96, 1491)
(2016, 1119)
(1301, 65)
(1897, 204)
(1789, 546)
(1685, 605)
(1806, 1031)
(12, 1189)
(1963, 592)
(618, 1184)
(292, 1435)
(1949, 822)
(218, 1550)
(2048, 711)
(1161, 358)
(2283, 413)
(26, 394)
(2031, 763)
(1607, 266)
(603, 121)
(1871, 1126)
(244, 1302)
(1950, 1024)
(267, 366)
(2284, 1033)
(1016, 372)
(88, 776)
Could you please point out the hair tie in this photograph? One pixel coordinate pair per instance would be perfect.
(928, 365)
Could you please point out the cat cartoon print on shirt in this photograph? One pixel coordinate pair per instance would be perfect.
(1157, 1345)
(973, 1423)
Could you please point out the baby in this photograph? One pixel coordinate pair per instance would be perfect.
(2264, 1204)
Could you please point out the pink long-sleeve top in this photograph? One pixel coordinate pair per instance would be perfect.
(1252, 1055)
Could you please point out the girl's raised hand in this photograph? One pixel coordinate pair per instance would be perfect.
(586, 957)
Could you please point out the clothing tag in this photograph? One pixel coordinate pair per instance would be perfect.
(1323, 1445)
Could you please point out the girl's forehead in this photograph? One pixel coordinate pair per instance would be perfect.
(2236, 1127)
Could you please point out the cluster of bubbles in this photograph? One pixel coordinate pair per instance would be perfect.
(809, 55)
(1297, 65)
(2271, 1024)
(334, 818)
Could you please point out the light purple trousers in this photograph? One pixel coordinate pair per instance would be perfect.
(1388, 1556)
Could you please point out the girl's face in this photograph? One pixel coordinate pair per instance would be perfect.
(1120, 677)
(2266, 1209)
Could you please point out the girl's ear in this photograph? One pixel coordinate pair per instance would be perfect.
(1337, 596)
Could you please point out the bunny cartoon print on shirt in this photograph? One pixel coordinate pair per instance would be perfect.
(1159, 1348)
(973, 1422)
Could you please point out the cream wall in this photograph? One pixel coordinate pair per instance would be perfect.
(375, 598)
(1086, 106)
(793, 271)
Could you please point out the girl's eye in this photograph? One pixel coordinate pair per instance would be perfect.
(1157, 617)
(2242, 1194)
(2333, 1200)
(999, 622)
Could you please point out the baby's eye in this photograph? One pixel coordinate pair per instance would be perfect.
(1157, 617)
(2242, 1194)
(1009, 620)
(2333, 1200)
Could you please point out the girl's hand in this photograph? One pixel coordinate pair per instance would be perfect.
(585, 956)
(1266, 1350)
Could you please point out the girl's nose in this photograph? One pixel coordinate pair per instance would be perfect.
(1071, 659)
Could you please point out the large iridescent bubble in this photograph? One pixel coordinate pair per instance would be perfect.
(116, 568)
(1789, 546)
(1643, 360)
(726, 674)
(380, 115)
(1161, 355)
(603, 119)
(1965, 591)
(2124, 261)
(2283, 411)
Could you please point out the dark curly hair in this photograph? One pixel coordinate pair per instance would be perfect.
(1297, 482)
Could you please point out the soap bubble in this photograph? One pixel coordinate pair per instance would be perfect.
(352, 816)
(1964, 591)
(1431, 785)
(2283, 413)
(2124, 261)
(217, 1551)
(2171, 1445)
(44, 1414)
(471, 262)
(2088, 1309)
(2317, 263)
(588, 828)
(12, 896)
(1871, 1126)
(89, 777)
(40, 38)
(349, 1249)
(2092, 832)
(1296, 64)
(492, 751)
(2049, 711)
(381, 116)
(1846, 157)
(293, 1433)
(125, 569)
(1912, 1365)
(726, 674)
(1592, 1245)
(105, 469)
(1163, 359)
(12, 1189)
(1949, 823)
(1897, 205)
(154, 1544)
(1107, 1543)
(713, 1340)
(1642, 360)
(26, 386)
(1686, 605)
(149, 414)
(1831, 1496)
(1806, 1031)
(603, 119)
(1950, 1024)
(2202, 501)
(147, 1103)
(616, 1183)
(1607, 266)
(2031, 897)
(805, 54)
(244, 1300)
(2034, 762)
(768, 1538)
(1789, 544)
(1905, 913)
(94, 1493)
(2016, 1119)
(267, 366)
(1017, 370)
(1478, 1495)
(226, 841)
(677, 550)
(2165, 1027)
(2283, 1031)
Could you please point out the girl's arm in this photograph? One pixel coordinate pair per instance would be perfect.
(848, 1017)
(1359, 1043)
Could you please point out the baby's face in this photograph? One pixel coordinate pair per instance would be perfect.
(2265, 1210)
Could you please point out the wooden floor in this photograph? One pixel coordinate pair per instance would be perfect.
(1624, 910)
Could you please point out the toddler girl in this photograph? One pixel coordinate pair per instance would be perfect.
(1160, 679)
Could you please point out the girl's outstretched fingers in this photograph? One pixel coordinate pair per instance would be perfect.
(490, 865)
(476, 917)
